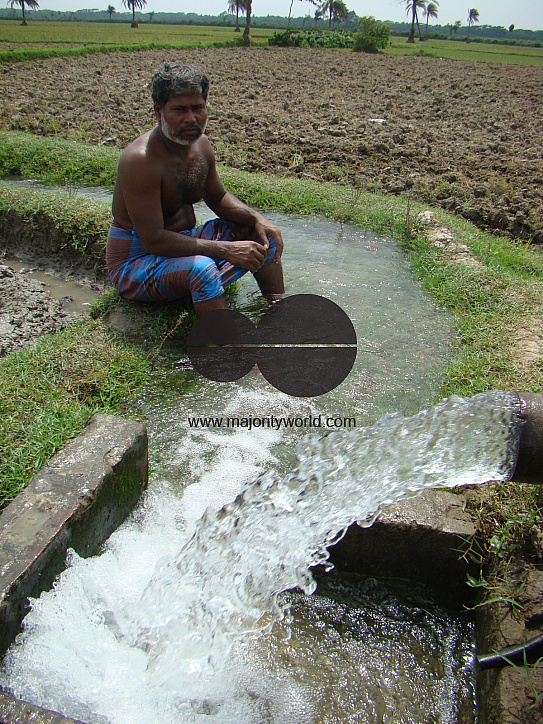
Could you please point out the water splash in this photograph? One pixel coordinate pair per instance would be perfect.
(224, 584)
(267, 539)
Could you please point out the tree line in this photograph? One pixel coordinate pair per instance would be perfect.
(326, 13)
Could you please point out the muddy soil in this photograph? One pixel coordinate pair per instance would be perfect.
(463, 135)
(27, 311)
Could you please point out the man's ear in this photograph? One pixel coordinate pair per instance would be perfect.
(158, 111)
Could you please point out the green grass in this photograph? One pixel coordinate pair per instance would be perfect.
(85, 33)
(69, 226)
(48, 39)
(57, 160)
(48, 393)
(458, 50)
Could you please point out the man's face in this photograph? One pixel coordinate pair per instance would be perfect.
(183, 118)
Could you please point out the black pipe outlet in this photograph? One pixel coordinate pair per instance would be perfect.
(529, 466)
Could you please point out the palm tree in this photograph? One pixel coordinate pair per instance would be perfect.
(110, 10)
(413, 6)
(151, 16)
(335, 9)
(430, 12)
(237, 6)
(32, 4)
(248, 13)
(132, 5)
(473, 17)
(313, 2)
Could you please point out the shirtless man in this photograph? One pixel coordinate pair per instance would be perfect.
(154, 250)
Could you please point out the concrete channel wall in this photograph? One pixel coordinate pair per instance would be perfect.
(75, 501)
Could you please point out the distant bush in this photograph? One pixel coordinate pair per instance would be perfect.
(312, 39)
(371, 36)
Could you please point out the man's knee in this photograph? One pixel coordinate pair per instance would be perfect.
(205, 280)
(270, 255)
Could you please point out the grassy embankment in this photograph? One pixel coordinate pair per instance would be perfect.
(47, 39)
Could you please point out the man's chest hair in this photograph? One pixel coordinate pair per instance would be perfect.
(187, 178)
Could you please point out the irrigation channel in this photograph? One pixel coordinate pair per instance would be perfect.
(199, 607)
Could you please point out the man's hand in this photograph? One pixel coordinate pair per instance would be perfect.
(229, 207)
(265, 229)
(248, 254)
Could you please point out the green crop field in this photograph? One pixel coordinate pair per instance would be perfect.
(460, 50)
(39, 33)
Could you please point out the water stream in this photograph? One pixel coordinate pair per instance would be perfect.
(124, 638)
(183, 619)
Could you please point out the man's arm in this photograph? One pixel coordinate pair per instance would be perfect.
(229, 207)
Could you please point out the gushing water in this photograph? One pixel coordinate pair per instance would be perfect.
(166, 655)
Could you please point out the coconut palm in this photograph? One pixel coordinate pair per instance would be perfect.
(132, 5)
(413, 7)
(430, 12)
(237, 7)
(110, 10)
(313, 2)
(151, 16)
(249, 14)
(32, 4)
(473, 17)
(335, 9)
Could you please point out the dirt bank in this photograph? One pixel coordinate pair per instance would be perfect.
(463, 135)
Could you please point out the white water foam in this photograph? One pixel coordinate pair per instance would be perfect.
(144, 633)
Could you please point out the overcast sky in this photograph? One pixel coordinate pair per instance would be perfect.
(523, 13)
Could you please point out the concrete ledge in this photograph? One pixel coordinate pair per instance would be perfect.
(13, 711)
(418, 538)
(75, 501)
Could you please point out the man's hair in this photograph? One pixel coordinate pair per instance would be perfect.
(173, 79)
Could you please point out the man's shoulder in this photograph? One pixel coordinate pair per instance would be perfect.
(139, 147)
(207, 147)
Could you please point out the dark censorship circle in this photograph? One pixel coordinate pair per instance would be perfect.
(215, 345)
(305, 319)
(302, 370)
(305, 345)
(306, 371)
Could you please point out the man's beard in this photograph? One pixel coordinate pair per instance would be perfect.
(167, 130)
